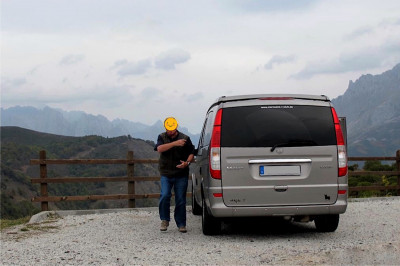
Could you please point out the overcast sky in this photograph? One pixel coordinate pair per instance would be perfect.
(147, 60)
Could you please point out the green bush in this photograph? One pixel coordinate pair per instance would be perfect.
(374, 180)
(11, 210)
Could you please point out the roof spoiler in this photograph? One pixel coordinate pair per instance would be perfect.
(224, 99)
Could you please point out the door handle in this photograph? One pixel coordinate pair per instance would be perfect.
(280, 188)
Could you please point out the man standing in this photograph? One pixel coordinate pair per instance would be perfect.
(176, 152)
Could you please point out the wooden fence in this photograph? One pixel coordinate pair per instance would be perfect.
(130, 162)
(44, 198)
(387, 173)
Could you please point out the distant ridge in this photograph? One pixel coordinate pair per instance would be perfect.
(78, 123)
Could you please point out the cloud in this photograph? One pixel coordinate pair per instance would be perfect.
(193, 97)
(150, 96)
(277, 60)
(150, 92)
(167, 60)
(109, 95)
(133, 68)
(112, 96)
(360, 60)
(119, 63)
(72, 59)
(270, 5)
(29, 92)
(9, 84)
(33, 70)
(388, 22)
(359, 32)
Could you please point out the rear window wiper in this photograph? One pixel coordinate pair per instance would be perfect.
(294, 143)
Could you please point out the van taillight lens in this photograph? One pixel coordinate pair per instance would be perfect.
(342, 156)
(215, 150)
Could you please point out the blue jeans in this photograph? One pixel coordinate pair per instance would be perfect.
(180, 187)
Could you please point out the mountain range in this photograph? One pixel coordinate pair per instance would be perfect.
(370, 104)
(78, 123)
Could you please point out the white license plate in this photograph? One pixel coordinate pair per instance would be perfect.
(280, 170)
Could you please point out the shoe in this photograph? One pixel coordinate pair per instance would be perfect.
(164, 225)
(182, 229)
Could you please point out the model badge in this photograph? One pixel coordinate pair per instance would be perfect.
(234, 167)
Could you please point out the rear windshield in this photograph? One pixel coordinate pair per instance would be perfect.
(277, 126)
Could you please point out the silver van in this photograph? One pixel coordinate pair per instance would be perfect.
(270, 155)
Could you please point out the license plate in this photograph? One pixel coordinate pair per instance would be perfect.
(280, 170)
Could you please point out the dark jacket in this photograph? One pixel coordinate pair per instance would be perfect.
(173, 157)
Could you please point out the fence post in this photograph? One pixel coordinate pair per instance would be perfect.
(131, 184)
(398, 169)
(43, 186)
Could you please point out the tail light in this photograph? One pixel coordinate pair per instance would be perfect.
(215, 149)
(342, 156)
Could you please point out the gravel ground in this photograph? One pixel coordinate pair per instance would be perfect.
(368, 233)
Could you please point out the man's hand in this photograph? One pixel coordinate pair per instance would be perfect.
(182, 165)
(170, 145)
(180, 142)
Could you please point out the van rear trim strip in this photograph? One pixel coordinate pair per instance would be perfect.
(280, 161)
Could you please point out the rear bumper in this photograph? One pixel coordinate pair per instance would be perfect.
(219, 209)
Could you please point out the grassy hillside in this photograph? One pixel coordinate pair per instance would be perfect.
(19, 145)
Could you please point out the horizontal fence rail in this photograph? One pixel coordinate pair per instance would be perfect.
(386, 173)
(98, 197)
(372, 158)
(94, 179)
(90, 161)
(130, 162)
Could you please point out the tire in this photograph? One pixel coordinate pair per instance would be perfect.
(327, 223)
(210, 224)
(196, 208)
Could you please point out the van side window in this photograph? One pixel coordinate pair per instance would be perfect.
(208, 129)
(202, 135)
(201, 140)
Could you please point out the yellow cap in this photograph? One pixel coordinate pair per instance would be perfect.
(170, 123)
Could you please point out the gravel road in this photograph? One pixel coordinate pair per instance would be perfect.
(368, 233)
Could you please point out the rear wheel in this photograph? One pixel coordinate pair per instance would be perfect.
(210, 224)
(327, 223)
(196, 208)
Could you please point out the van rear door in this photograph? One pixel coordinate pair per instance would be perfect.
(278, 155)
